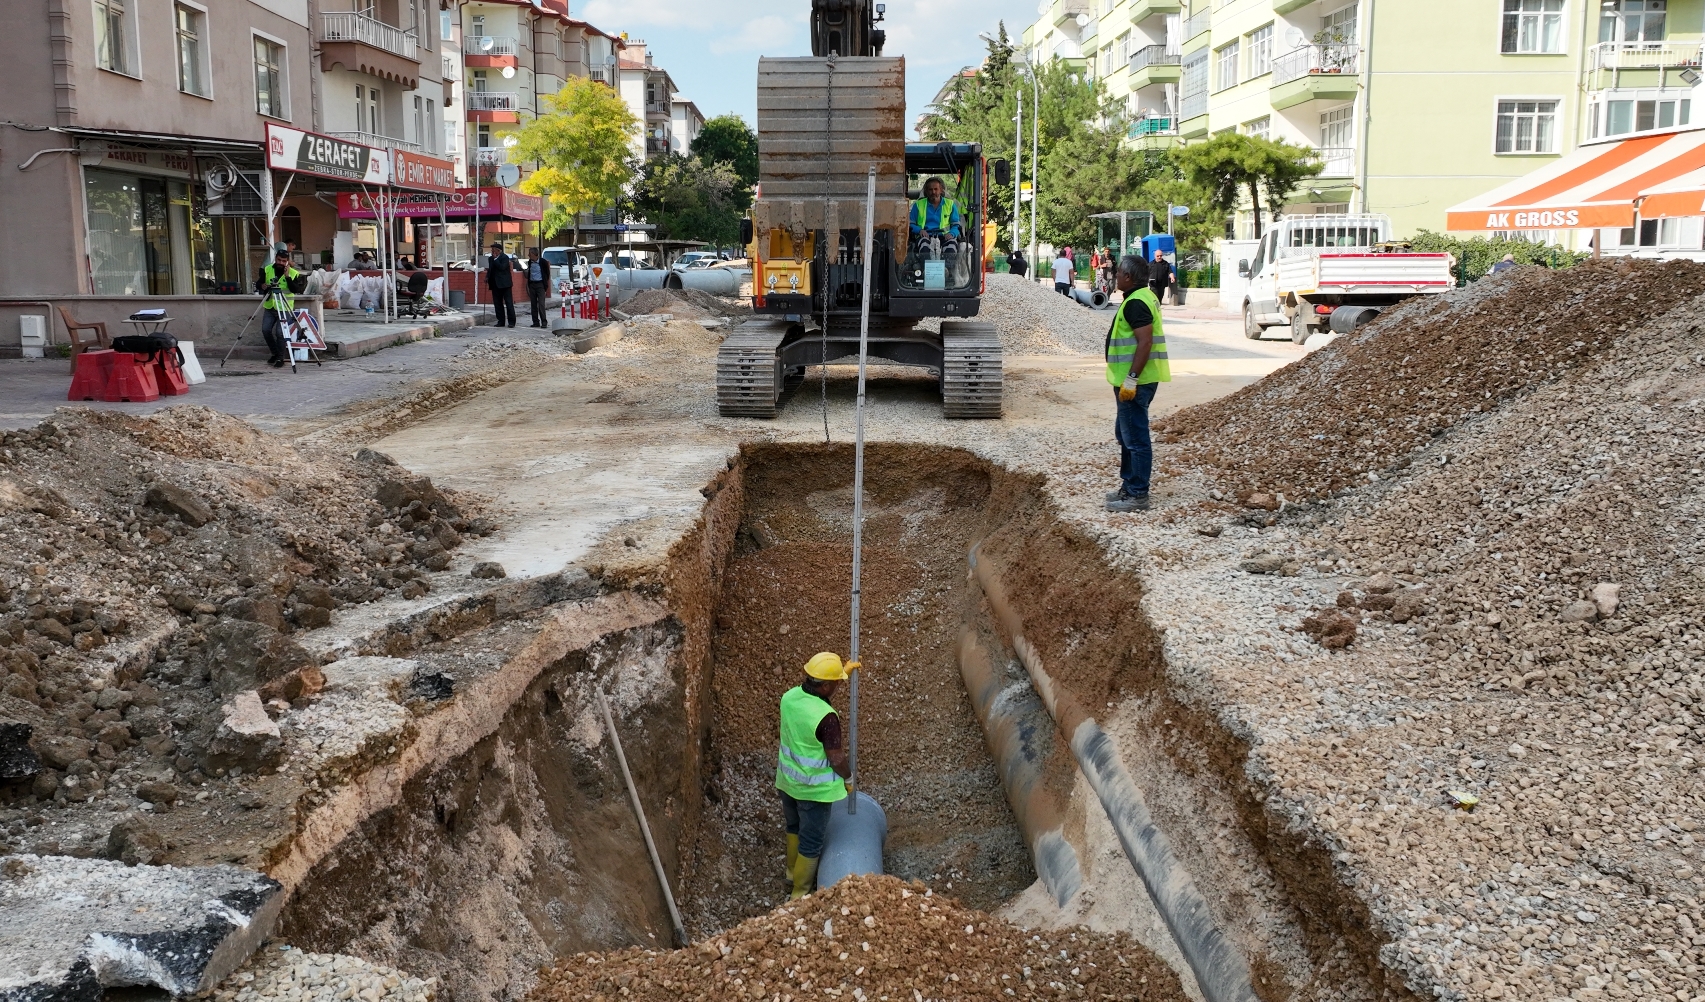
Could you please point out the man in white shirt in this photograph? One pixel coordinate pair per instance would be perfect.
(1064, 268)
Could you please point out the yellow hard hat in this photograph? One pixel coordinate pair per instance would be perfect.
(826, 667)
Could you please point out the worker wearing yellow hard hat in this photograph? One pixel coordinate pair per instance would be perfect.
(811, 765)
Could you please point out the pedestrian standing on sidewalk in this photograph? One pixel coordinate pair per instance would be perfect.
(538, 286)
(1016, 264)
(500, 279)
(1136, 366)
(1160, 275)
(1063, 268)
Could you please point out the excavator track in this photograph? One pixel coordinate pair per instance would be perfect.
(749, 370)
(971, 377)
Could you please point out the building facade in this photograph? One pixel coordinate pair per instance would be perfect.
(1414, 107)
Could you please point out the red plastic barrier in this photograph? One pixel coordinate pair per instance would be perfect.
(169, 375)
(89, 380)
(130, 378)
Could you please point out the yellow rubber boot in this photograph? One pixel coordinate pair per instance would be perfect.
(792, 853)
(804, 877)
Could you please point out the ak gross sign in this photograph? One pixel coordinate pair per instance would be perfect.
(325, 156)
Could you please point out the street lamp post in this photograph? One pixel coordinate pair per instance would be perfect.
(1018, 170)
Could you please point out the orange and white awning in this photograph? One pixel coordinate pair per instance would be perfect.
(1594, 186)
(1683, 196)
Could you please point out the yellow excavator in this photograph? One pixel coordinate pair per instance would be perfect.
(823, 122)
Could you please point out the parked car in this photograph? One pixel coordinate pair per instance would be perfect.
(690, 258)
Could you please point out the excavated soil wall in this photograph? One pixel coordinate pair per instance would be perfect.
(524, 849)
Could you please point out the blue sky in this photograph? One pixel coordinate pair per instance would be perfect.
(711, 47)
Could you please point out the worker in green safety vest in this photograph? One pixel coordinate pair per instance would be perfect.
(810, 765)
(1137, 364)
(277, 282)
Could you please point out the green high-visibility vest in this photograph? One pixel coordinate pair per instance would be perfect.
(1122, 349)
(803, 771)
(947, 215)
(282, 300)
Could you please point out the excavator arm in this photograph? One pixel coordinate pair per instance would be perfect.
(846, 28)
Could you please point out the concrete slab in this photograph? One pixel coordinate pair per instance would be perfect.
(346, 339)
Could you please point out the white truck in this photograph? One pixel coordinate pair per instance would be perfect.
(1333, 272)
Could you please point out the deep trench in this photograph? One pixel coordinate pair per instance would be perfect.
(524, 849)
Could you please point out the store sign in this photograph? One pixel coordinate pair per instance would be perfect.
(325, 156)
(146, 161)
(462, 203)
(422, 173)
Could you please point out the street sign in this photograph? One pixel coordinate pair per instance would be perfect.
(621, 227)
(1181, 210)
(1025, 193)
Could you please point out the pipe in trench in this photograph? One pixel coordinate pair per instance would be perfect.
(853, 843)
(1027, 750)
(1221, 971)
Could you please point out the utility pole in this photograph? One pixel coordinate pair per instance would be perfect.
(1018, 170)
(1035, 160)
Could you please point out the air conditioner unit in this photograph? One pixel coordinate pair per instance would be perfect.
(239, 193)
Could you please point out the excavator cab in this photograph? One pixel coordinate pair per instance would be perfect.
(941, 273)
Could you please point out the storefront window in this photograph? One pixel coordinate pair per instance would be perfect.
(141, 235)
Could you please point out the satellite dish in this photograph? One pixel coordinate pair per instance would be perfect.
(1083, 20)
(507, 175)
(509, 73)
(487, 43)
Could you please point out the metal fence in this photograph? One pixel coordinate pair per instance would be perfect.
(347, 27)
(494, 100)
(490, 45)
(1315, 60)
(1153, 55)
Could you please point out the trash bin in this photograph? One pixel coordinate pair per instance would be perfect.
(458, 299)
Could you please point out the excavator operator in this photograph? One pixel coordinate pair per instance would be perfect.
(937, 215)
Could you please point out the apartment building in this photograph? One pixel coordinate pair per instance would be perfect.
(1415, 107)
(113, 122)
(650, 94)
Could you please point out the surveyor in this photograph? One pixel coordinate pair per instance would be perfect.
(810, 765)
(277, 282)
(935, 213)
(1136, 365)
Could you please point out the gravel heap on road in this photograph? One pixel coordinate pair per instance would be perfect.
(287, 974)
(1355, 412)
(872, 939)
(684, 304)
(1035, 320)
(154, 569)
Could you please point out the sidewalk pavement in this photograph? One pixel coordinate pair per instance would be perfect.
(275, 399)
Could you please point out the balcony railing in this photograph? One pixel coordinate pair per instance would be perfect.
(1340, 161)
(1314, 60)
(1646, 55)
(1192, 106)
(347, 27)
(657, 146)
(491, 156)
(452, 71)
(1198, 24)
(374, 139)
(489, 45)
(1154, 125)
(1153, 55)
(494, 100)
(600, 74)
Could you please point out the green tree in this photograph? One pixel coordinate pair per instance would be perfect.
(1231, 166)
(690, 199)
(727, 139)
(1088, 172)
(1195, 232)
(583, 146)
(1476, 255)
(979, 108)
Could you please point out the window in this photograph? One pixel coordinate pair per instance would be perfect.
(1527, 127)
(1260, 44)
(420, 121)
(1259, 128)
(1632, 20)
(444, 24)
(1225, 66)
(482, 136)
(360, 108)
(375, 123)
(1340, 25)
(1122, 53)
(112, 37)
(1533, 26)
(480, 80)
(429, 133)
(191, 34)
(1638, 113)
(1338, 128)
(269, 78)
(1193, 86)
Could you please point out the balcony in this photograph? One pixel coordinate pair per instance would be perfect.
(1340, 161)
(1152, 64)
(451, 70)
(1154, 132)
(1315, 73)
(491, 156)
(1193, 115)
(1198, 25)
(363, 44)
(656, 147)
(490, 51)
(493, 106)
(375, 140)
(1142, 10)
(601, 75)
(1642, 64)
(1063, 12)
(1287, 6)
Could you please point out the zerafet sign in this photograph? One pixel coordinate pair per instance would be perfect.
(325, 156)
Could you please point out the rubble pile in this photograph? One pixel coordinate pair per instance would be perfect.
(1036, 320)
(683, 304)
(1355, 413)
(154, 574)
(286, 974)
(872, 939)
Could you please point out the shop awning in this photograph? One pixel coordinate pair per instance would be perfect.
(1683, 196)
(493, 204)
(1594, 186)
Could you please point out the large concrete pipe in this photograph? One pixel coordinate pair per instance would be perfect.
(716, 281)
(854, 841)
(1349, 319)
(1095, 299)
(1036, 767)
(1221, 971)
(638, 278)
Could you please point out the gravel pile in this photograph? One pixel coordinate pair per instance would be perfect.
(686, 304)
(872, 939)
(287, 974)
(1356, 412)
(1034, 320)
(153, 571)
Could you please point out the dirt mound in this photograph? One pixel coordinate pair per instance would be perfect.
(690, 304)
(1355, 411)
(870, 938)
(153, 570)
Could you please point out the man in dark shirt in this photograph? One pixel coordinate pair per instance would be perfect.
(1137, 362)
(1160, 275)
(500, 279)
(538, 286)
(1015, 264)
